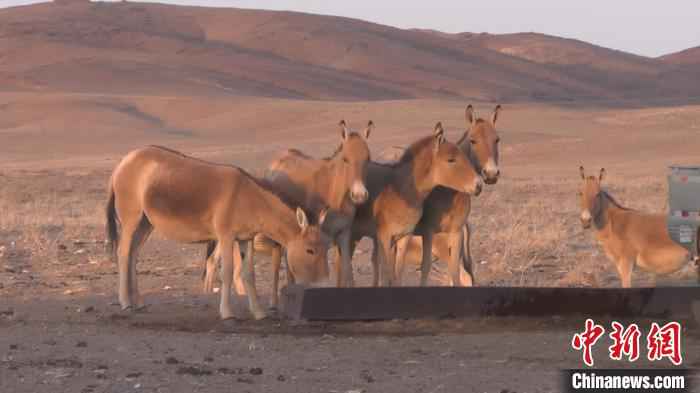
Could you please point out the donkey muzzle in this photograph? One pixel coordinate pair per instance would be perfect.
(358, 193)
(490, 173)
(586, 219)
(490, 177)
(476, 187)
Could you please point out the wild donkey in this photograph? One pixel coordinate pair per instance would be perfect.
(397, 193)
(628, 236)
(446, 211)
(337, 182)
(191, 201)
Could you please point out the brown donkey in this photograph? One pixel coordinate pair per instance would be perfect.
(628, 236)
(191, 201)
(446, 211)
(397, 193)
(336, 183)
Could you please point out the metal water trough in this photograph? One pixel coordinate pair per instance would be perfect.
(439, 302)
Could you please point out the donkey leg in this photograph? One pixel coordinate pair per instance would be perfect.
(249, 283)
(226, 249)
(238, 284)
(376, 272)
(211, 263)
(387, 260)
(401, 249)
(427, 259)
(336, 266)
(130, 225)
(123, 264)
(624, 269)
(345, 248)
(141, 234)
(276, 264)
(454, 265)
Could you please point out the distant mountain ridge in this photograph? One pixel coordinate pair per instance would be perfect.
(688, 56)
(144, 48)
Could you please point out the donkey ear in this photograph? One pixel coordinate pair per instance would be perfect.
(438, 129)
(343, 130)
(496, 111)
(322, 216)
(583, 174)
(469, 114)
(368, 130)
(439, 135)
(602, 174)
(301, 219)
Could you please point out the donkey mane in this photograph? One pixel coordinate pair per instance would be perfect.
(409, 153)
(614, 201)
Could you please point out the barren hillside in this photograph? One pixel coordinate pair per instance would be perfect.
(139, 48)
(689, 56)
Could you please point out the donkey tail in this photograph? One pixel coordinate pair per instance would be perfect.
(111, 222)
(467, 262)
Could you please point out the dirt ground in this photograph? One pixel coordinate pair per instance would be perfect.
(60, 330)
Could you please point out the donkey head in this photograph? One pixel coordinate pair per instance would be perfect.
(354, 154)
(482, 147)
(450, 166)
(306, 251)
(590, 197)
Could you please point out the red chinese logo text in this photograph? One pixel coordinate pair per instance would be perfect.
(587, 339)
(663, 342)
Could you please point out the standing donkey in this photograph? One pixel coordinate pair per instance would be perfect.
(397, 193)
(446, 211)
(192, 201)
(628, 237)
(336, 182)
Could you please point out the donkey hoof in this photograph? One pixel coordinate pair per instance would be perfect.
(259, 315)
(140, 308)
(227, 317)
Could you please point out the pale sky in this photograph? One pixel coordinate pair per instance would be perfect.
(650, 28)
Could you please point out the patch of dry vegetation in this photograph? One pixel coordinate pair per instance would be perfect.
(47, 226)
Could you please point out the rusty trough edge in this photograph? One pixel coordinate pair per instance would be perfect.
(368, 303)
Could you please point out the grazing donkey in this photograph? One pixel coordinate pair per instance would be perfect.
(397, 193)
(336, 182)
(192, 201)
(446, 211)
(628, 236)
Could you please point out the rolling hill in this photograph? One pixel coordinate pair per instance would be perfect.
(689, 56)
(156, 49)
